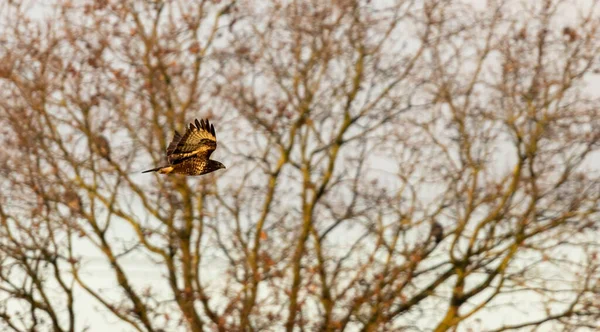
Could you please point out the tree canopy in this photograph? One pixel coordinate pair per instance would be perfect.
(393, 165)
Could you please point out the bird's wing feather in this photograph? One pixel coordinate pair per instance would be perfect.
(198, 140)
(173, 143)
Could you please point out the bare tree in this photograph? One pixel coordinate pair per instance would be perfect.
(398, 165)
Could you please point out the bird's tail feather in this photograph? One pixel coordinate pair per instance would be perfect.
(152, 170)
(160, 169)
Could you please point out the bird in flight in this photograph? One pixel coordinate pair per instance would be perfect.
(189, 154)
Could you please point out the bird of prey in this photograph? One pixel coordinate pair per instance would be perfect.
(437, 232)
(102, 146)
(73, 201)
(189, 153)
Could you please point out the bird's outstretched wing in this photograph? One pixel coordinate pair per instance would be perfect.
(199, 141)
(173, 143)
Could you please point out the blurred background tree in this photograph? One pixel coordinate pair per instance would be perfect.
(391, 165)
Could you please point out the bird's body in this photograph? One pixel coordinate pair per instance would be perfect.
(192, 166)
(189, 154)
(73, 201)
(437, 232)
(102, 146)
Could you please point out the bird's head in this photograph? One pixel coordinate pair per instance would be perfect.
(214, 165)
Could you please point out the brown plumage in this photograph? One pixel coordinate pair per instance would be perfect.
(189, 153)
(102, 146)
(73, 201)
(437, 232)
